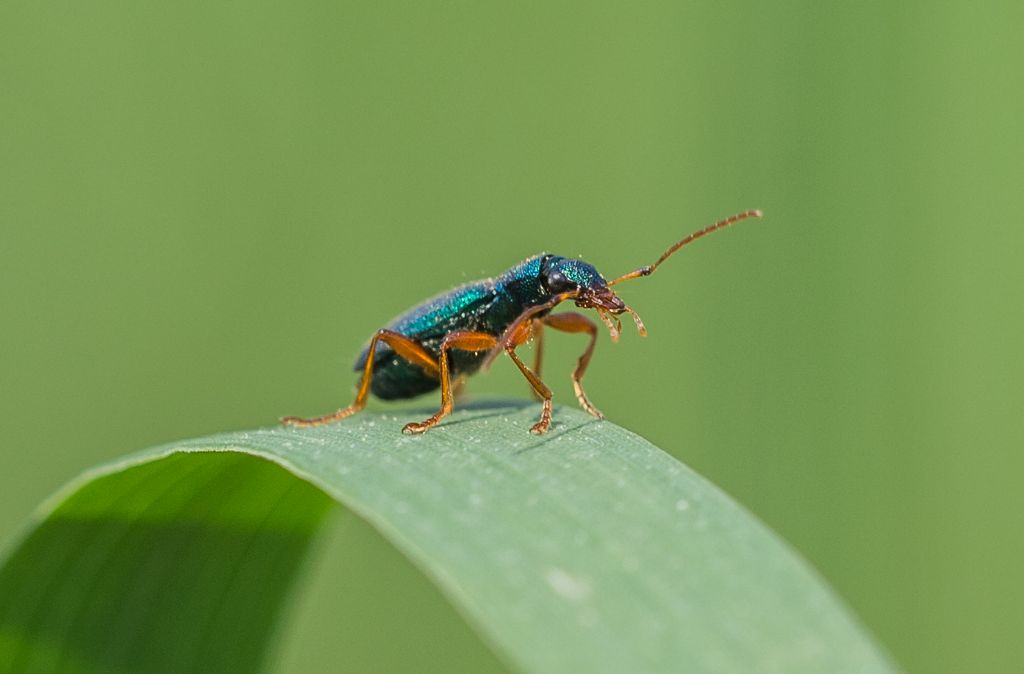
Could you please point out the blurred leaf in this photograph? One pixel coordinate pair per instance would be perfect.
(587, 549)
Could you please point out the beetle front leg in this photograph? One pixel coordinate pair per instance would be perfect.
(539, 387)
(572, 321)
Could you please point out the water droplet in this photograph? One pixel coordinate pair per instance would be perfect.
(567, 585)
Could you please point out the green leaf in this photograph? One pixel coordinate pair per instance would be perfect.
(587, 549)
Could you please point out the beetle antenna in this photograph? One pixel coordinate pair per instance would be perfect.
(649, 269)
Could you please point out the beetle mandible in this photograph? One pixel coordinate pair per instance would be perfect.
(457, 332)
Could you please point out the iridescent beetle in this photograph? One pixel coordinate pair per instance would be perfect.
(457, 332)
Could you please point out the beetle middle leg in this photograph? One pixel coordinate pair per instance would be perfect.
(464, 341)
(572, 321)
(403, 346)
(482, 341)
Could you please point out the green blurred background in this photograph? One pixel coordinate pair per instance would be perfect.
(206, 208)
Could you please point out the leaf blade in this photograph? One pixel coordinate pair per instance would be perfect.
(584, 549)
(129, 584)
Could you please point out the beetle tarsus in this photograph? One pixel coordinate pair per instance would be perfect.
(302, 422)
(415, 428)
(544, 424)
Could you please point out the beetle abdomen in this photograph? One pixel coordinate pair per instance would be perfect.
(397, 379)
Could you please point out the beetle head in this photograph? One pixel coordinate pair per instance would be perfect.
(566, 278)
(589, 289)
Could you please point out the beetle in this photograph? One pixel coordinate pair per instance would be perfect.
(457, 332)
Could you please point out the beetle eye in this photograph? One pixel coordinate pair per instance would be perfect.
(556, 282)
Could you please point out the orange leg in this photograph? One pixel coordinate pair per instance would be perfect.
(575, 322)
(403, 346)
(537, 329)
(539, 387)
(519, 335)
(481, 341)
(464, 341)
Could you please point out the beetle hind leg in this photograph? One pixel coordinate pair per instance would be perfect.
(403, 346)
(303, 422)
